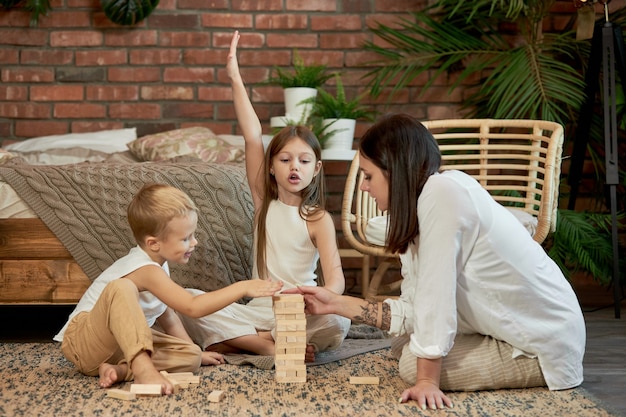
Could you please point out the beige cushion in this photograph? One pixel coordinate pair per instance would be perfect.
(5, 155)
(194, 141)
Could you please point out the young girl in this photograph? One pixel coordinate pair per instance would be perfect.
(110, 331)
(293, 232)
(482, 304)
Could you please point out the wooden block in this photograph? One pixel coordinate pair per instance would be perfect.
(216, 396)
(373, 380)
(172, 381)
(146, 389)
(121, 394)
(184, 377)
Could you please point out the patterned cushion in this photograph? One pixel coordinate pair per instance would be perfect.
(194, 141)
(5, 155)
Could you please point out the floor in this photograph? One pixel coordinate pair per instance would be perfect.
(604, 363)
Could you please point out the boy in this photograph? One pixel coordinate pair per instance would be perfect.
(110, 332)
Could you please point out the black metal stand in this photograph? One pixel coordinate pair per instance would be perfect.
(604, 45)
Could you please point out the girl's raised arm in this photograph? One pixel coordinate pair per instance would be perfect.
(249, 124)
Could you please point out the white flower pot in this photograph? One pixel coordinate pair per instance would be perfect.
(294, 108)
(343, 133)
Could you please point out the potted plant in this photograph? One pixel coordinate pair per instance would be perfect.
(340, 114)
(299, 85)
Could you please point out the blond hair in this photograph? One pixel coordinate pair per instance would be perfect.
(154, 206)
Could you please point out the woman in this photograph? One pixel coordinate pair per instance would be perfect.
(482, 305)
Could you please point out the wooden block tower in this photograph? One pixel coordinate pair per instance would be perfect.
(290, 338)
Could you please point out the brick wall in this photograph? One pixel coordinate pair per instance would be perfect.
(77, 71)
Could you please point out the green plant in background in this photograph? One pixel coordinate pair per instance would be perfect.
(338, 106)
(122, 12)
(311, 76)
(523, 73)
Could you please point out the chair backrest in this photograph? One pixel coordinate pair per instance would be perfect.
(517, 161)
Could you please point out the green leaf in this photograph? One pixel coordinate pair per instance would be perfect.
(128, 12)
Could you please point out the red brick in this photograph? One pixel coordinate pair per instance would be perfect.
(89, 4)
(187, 110)
(83, 126)
(161, 92)
(75, 38)
(155, 56)
(246, 40)
(27, 75)
(204, 57)
(101, 58)
(13, 93)
(342, 40)
(313, 6)
(191, 39)
(57, 93)
(24, 110)
(23, 37)
(304, 40)
(112, 93)
(134, 74)
(257, 5)
(400, 5)
(79, 111)
(391, 20)
(136, 111)
(165, 5)
(282, 21)
(188, 75)
(14, 18)
(226, 20)
(36, 128)
(174, 20)
(9, 56)
(339, 22)
(45, 57)
(215, 94)
(131, 38)
(65, 19)
(250, 75)
(332, 59)
(203, 4)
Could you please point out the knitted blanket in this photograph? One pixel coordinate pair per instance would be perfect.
(84, 205)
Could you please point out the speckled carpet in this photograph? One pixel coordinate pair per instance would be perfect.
(35, 380)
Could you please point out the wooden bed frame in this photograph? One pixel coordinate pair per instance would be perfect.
(35, 267)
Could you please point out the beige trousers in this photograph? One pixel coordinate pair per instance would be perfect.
(474, 363)
(115, 331)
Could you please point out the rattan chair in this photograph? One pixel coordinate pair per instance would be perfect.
(517, 161)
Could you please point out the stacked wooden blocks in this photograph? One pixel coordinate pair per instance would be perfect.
(290, 338)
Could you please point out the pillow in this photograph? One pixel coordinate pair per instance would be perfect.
(376, 230)
(108, 141)
(5, 155)
(196, 141)
(62, 156)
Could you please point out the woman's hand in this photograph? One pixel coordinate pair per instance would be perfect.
(261, 287)
(427, 394)
(318, 300)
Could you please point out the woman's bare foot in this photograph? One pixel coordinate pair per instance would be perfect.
(212, 358)
(111, 374)
(309, 355)
(146, 373)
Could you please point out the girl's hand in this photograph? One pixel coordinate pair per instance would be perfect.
(261, 287)
(427, 395)
(232, 66)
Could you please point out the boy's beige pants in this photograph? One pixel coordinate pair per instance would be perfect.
(115, 331)
(475, 362)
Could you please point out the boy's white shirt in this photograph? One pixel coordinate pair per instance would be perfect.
(135, 259)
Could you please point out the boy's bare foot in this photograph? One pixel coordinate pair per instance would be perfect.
(146, 373)
(309, 355)
(212, 358)
(111, 374)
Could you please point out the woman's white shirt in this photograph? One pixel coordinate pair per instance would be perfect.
(475, 269)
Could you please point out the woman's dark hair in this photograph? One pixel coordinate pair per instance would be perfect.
(408, 154)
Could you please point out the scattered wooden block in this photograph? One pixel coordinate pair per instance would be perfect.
(184, 377)
(216, 396)
(175, 383)
(146, 389)
(372, 380)
(121, 394)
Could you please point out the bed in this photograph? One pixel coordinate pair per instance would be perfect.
(63, 201)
